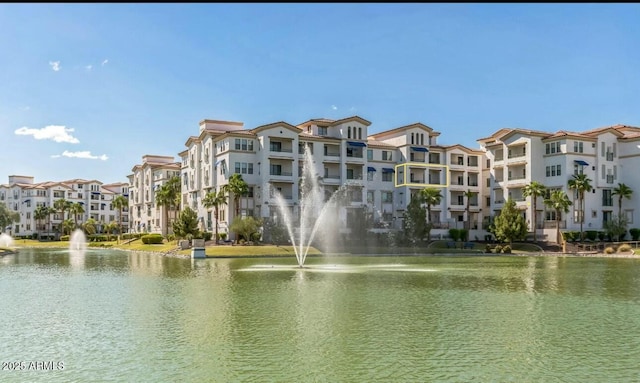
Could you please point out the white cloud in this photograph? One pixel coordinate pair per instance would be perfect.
(334, 107)
(105, 62)
(88, 67)
(55, 65)
(81, 154)
(55, 133)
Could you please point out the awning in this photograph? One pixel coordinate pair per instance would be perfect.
(580, 162)
(354, 143)
(81, 203)
(218, 162)
(388, 170)
(418, 149)
(26, 200)
(95, 193)
(126, 195)
(371, 169)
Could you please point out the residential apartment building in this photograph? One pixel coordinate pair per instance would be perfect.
(606, 155)
(380, 172)
(23, 195)
(145, 214)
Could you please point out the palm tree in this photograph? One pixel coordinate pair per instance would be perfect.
(75, 209)
(622, 191)
(39, 214)
(62, 205)
(431, 197)
(169, 198)
(50, 210)
(581, 183)
(238, 187)
(558, 201)
(90, 226)
(534, 190)
(120, 202)
(215, 200)
(469, 194)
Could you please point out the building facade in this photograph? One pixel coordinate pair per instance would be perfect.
(607, 156)
(146, 215)
(380, 173)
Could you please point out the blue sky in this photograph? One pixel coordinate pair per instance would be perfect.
(112, 82)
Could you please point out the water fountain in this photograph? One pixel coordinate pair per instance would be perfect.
(315, 212)
(78, 241)
(6, 240)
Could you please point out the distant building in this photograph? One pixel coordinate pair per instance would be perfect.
(22, 195)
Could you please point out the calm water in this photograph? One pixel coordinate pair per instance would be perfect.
(115, 316)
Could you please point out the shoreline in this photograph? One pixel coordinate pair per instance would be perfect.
(176, 254)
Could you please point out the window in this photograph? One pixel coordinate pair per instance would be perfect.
(607, 199)
(387, 176)
(244, 168)
(578, 147)
(243, 144)
(370, 176)
(349, 174)
(275, 146)
(386, 155)
(550, 215)
(602, 149)
(369, 196)
(461, 200)
(387, 197)
(369, 155)
(359, 133)
(322, 130)
(411, 138)
(348, 132)
(557, 170)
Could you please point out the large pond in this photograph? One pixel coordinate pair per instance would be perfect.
(132, 317)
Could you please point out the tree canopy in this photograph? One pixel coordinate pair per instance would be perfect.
(510, 225)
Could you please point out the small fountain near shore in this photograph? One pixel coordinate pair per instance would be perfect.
(78, 241)
(6, 240)
(315, 212)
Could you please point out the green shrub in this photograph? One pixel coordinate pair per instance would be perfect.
(609, 250)
(464, 234)
(591, 235)
(207, 235)
(487, 249)
(601, 235)
(624, 248)
(152, 239)
(171, 237)
(64, 237)
(635, 233)
(222, 236)
(506, 249)
(498, 249)
(454, 234)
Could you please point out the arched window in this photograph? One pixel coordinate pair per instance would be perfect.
(412, 139)
(359, 133)
(348, 132)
